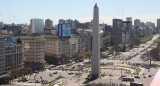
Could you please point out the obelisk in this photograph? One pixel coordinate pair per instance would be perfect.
(95, 71)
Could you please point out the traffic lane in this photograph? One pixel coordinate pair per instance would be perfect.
(146, 81)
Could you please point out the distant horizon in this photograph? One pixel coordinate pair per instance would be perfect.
(20, 12)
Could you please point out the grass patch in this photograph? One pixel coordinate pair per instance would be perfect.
(138, 70)
(61, 84)
(146, 38)
(77, 75)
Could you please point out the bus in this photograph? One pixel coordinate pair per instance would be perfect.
(129, 79)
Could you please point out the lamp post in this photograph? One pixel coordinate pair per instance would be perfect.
(114, 58)
(110, 77)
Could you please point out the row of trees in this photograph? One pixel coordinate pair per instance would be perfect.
(64, 59)
(154, 54)
(19, 72)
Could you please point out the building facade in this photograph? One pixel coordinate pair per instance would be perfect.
(48, 23)
(34, 50)
(55, 46)
(116, 34)
(73, 46)
(84, 43)
(158, 23)
(13, 54)
(136, 23)
(37, 25)
(2, 55)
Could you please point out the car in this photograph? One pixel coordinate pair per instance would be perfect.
(103, 74)
(55, 72)
(30, 81)
(149, 75)
(78, 73)
(19, 80)
(50, 74)
(70, 73)
(45, 82)
(147, 67)
(137, 77)
(37, 81)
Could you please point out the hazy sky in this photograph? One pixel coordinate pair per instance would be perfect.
(21, 11)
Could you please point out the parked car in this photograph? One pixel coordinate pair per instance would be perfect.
(70, 73)
(103, 74)
(50, 74)
(149, 75)
(78, 73)
(37, 81)
(55, 72)
(30, 81)
(45, 82)
(137, 77)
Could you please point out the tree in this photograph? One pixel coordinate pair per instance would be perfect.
(88, 54)
(114, 48)
(136, 41)
(19, 72)
(80, 56)
(52, 59)
(154, 54)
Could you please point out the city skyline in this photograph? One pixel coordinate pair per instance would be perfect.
(22, 11)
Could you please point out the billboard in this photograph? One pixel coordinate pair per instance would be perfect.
(64, 30)
(128, 18)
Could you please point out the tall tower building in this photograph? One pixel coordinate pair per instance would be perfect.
(116, 34)
(95, 72)
(136, 23)
(48, 23)
(37, 25)
(158, 23)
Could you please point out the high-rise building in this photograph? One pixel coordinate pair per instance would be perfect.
(128, 18)
(34, 50)
(2, 55)
(73, 46)
(48, 23)
(61, 21)
(84, 43)
(136, 23)
(11, 53)
(158, 23)
(13, 60)
(95, 65)
(116, 34)
(37, 25)
(127, 30)
(56, 46)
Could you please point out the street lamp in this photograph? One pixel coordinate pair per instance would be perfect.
(114, 58)
(110, 77)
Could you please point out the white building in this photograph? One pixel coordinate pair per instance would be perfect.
(73, 47)
(37, 25)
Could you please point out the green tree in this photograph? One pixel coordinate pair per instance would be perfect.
(154, 54)
(88, 54)
(136, 41)
(80, 56)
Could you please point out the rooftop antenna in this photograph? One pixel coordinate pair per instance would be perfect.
(123, 13)
(118, 12)
(9, 14)
(118, 9)
(14, 19)
(1, 15)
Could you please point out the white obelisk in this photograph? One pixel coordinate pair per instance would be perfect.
(95, 72)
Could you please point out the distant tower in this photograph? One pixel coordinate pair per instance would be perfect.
(95, 72)
(37, 25)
